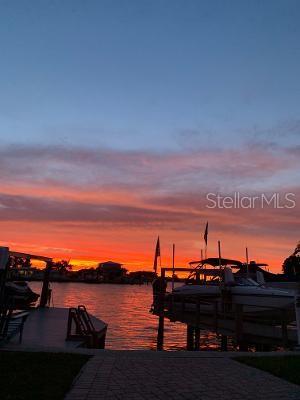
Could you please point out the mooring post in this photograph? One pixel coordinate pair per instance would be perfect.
(45, 289)
(4, 266)
(239, 322)
(297, 311)
(198, 312)
(170, 302)
(197, 338)
(216, 315)
(190, 338)
(224, 343)
(160, 332)
(182, 304)
(243, 346)
(161, 311)
(284, 329)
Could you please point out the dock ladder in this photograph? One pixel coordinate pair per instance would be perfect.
(84, 328)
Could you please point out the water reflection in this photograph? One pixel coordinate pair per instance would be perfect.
(126, 310)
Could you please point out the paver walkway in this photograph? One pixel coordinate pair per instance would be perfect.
(162, 376)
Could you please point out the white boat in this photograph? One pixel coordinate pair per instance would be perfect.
(255, 297)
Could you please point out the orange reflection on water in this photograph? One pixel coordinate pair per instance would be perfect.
(126, 310)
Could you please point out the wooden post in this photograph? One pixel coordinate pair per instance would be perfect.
(45, 288)
(243, 346)
(170, 302)
(198, 311)
(101, 341)
(69, 325)
(197, 338)
(216, 315)
(297, 311)
(190, 338)
(224, 343)
(160, 332)
(4, 266)
(182, 304)
(161, 310)
(239, 322)
(284, 329)
(173, 266)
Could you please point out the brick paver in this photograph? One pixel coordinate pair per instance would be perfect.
(122, 376)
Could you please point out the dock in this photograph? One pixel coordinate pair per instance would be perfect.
(274, 328)
(235, 323)
(47, 328)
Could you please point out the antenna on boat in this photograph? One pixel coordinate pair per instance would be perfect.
(173, 265)
(247, 262)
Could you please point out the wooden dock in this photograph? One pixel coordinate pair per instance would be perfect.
(264, 327)
(47, 328)
(235, 324)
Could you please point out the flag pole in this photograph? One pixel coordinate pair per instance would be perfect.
(173, 265)
(219, 250)
(205, 238)
(201, 254)
(157, 254)
(247, 262)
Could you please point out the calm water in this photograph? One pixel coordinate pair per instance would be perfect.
(126, 310)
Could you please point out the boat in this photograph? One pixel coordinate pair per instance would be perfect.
(211, 285)
(21, 294)
(277, 280)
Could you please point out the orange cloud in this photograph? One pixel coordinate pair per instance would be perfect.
(94, 205)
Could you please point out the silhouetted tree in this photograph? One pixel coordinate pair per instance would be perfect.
(62, 266)
(291, 265)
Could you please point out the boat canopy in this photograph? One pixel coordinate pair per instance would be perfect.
(31, 256)
(214, 261)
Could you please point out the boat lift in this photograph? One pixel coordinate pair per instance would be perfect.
(232, 323)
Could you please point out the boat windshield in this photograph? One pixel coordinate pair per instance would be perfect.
(242, 281)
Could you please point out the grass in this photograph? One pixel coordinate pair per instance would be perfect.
(37, 376)
(285, 367)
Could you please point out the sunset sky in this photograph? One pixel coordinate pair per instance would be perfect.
(118, 117)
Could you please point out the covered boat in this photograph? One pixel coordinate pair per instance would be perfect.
(21, 294)
(212, 284)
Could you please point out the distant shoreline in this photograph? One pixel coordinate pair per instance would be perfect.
(82, 281)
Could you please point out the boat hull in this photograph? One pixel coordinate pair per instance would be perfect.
(259, 302)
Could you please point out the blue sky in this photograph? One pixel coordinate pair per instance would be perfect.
(119, 116)
(140, 74)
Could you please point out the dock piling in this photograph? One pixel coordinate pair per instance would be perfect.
(189, 338)
(160, 332)
(284, 329)
(239, 322)
(224, 343)
(297, 311)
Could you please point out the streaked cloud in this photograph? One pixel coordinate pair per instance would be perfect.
(79, 193)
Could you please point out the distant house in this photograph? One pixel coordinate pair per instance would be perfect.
(111, 271)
